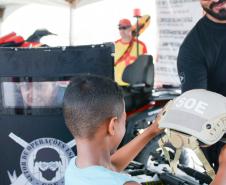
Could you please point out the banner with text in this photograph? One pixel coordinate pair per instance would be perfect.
(175, 19)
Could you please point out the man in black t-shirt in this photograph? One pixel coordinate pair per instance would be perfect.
(202, 58)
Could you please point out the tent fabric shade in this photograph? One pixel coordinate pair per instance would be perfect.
(75, 3)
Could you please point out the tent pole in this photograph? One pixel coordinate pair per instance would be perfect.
(72, 5)
(70, 26)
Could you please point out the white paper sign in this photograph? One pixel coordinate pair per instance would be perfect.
(175, 19)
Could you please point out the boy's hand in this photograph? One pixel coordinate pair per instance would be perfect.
(154, 128)
(222, 157)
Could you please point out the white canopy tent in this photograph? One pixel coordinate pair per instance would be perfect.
(50, 2)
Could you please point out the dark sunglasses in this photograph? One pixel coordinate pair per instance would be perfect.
(123, 27)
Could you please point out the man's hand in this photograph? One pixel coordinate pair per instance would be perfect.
(222, 157)
(220, 178)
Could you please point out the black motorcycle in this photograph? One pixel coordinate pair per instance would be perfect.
(143, 102)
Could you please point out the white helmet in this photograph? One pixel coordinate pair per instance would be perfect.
(199, 113)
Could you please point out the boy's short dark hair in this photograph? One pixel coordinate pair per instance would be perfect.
(89, 101)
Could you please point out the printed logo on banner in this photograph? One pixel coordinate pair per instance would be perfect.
(43, 161)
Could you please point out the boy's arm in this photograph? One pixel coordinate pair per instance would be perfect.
(220, 178)
(122, 157)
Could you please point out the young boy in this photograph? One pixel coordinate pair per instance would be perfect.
(94, 111)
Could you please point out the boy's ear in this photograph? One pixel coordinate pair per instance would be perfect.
(111, 126)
